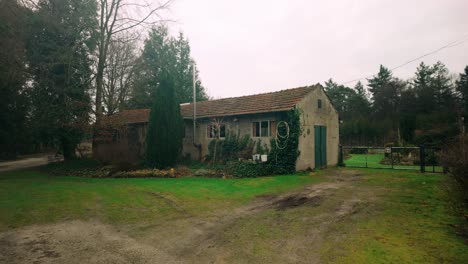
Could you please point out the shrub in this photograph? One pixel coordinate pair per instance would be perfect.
(455, 157)
(232, 147)
(165, 127)
(251, 170)
(358, 151)
(146, 173)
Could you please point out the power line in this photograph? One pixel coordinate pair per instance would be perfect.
(449, 45)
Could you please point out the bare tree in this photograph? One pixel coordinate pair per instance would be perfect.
(116, 17)
(215, 126)
(118, 74)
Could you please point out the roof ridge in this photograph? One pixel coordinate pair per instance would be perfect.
(243, 96)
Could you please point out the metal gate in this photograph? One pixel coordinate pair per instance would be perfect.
(423, 159)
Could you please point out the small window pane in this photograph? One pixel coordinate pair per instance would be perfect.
(222, 132)
(319, 103)
(264, 129)
(213, 131)
(255, 129)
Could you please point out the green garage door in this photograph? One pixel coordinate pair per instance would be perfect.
(320, 146)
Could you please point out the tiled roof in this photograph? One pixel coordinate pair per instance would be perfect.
(128, 117)
(250, 104)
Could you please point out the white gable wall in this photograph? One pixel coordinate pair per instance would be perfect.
(313, 116)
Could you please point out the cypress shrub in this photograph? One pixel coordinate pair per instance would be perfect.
(165, 127)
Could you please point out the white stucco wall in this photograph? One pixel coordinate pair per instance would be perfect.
(242, 123)
(313, 116)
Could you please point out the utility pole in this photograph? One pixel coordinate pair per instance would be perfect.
(194, 105)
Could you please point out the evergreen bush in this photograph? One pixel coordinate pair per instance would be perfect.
(165, 127)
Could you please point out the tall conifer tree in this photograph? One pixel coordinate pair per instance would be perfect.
(165, 128)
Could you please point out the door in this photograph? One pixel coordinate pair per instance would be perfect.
(320, 133)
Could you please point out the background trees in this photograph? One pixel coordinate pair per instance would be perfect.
(119, 74)
(14, 99)
(163, 52)
(420, 110)
(59, 48)
(57, 56)
(115, 17)
(462, 89)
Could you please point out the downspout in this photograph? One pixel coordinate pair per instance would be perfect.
(197, 146)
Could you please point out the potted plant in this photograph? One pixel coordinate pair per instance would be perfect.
(258, 151)
(262, 152)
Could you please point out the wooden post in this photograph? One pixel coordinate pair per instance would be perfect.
(422, 158)
(341, 157)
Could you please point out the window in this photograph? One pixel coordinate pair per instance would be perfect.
(319, 103)
(263, 128)
(213, 131)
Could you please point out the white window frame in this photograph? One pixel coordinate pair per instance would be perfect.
(212, 127)
(260, 128)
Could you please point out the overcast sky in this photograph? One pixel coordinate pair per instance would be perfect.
(253, 46)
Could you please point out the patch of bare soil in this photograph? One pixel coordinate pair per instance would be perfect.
(297, 200)
(76, 242)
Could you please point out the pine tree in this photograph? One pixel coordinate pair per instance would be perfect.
(14, 99)
(378, 83)
(424, 91)
(339, 96)
(385, 92)
(442, 86)
(165, 127)
(359, 104)
(462, 89)
(163, 52)
(183, 72)
(60, 46)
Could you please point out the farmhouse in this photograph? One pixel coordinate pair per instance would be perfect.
(255, 115)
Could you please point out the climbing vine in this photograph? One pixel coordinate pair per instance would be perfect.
(284, 152)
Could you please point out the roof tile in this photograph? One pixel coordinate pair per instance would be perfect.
(250, 104)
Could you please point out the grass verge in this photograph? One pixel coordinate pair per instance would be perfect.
(411, 222)
(31, 197)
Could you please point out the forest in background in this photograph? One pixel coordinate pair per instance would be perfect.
(64, 64)
(427, 109)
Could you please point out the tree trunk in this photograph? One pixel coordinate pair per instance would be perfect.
(68, 149)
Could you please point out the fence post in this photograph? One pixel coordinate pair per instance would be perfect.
(391, 155)
(341, 157)
(422, 158)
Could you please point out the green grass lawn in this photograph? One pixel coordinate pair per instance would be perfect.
(402, 216)
(30, 197)
(411, 223)
(373, 161)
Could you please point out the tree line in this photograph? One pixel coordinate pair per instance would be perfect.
(64, 64)
(425, 109)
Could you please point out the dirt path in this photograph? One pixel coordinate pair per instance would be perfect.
(28, 162)
(319, 208)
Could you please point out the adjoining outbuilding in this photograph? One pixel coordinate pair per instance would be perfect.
(255, 115)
